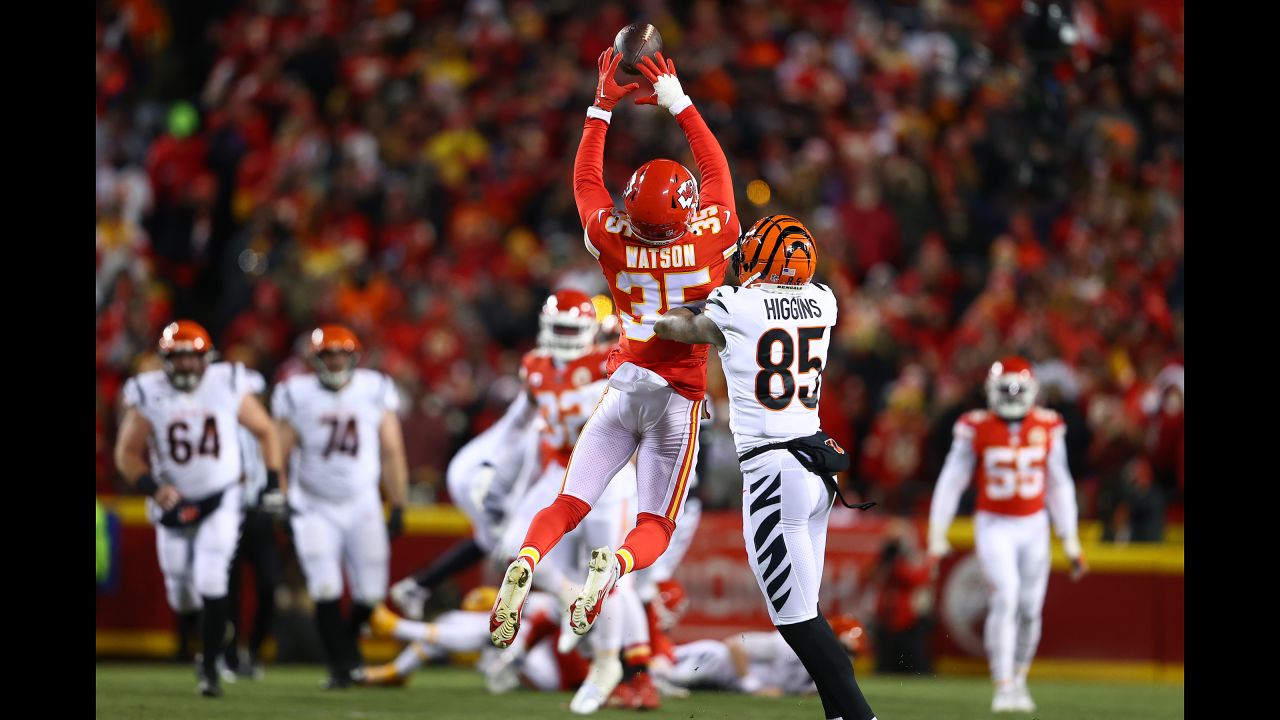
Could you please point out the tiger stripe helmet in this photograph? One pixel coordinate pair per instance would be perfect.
(776, 253)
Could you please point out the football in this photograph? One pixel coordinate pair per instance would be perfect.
(634, 42)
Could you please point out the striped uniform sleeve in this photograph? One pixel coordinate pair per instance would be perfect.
(717, 309)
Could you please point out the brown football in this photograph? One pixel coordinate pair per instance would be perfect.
(634, 42)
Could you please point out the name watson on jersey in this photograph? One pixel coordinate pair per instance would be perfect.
(791, 308)
(668, 257)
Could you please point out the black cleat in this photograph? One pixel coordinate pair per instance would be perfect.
(209, 688)
(336, 682)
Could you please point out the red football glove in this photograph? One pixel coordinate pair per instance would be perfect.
(608, 91)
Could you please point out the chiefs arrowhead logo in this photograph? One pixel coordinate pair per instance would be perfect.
(687, 195)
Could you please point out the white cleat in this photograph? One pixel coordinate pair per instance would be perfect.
(604, 676)
(1022, 698)
(567, 639)
(1005, 700)
(602, 575)
(502, 675)
(504, 621)
(410, 597)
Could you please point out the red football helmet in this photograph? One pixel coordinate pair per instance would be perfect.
(850, 633)
(1011, 388)
(333, 352)
(672, 603)
(661, 199)
(184, 348)
(568, 325)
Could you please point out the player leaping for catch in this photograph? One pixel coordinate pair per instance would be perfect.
(668, 246)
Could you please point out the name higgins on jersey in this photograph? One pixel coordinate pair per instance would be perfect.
(791, 308)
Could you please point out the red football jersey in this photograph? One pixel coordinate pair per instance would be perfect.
(565, 395)
(1011, 465)
(646, 280)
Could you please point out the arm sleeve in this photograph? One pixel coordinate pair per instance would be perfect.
(955, 475)
(717, 183)
(507, 441)
(131, 396)
(589, 191)
(388, 396)
(254, 382)
(1060, 497)
(281, 403)
(717, 310)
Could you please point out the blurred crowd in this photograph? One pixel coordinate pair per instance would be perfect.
(983, 177)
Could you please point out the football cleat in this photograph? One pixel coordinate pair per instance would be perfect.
(602, 575)
(410, 597)
(603, 677)
(1005, 700)
(504, 621)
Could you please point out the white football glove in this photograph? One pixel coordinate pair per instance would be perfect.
(938, 546)
(667, 92)
(272, 502)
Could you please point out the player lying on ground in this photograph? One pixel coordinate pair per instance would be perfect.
(758, 663)
(533, 660)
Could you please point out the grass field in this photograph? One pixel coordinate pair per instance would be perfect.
(168, 691)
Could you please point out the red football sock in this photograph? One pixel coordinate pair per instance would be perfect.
(552, 523)
(645, 543)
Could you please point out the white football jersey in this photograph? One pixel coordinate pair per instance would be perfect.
(775, 664)
(195, 442)
(253, 467)
(338, 450)
(775, 350)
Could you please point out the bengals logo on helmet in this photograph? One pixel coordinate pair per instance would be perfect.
(778, 251)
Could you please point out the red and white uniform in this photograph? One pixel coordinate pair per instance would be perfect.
(647, 280)
(1021, 470)
(564, 395)
(656, 386)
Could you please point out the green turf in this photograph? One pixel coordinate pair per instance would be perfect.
(168, 691)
